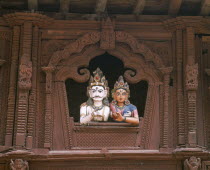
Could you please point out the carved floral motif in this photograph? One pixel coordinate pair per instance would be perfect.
(192, 77)
(25, 73)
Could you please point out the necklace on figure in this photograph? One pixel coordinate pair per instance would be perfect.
(96, 108)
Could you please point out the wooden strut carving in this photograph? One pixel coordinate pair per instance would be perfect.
(19, 164)
(12, 86)
(192, 164)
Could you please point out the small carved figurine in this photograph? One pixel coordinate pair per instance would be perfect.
(97, 107)
(121, 109)
(192, 164)
(19, 164)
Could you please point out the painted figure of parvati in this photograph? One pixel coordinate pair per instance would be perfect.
(97, 107)
(121, 109)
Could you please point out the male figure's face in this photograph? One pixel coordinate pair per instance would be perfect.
(97, 93)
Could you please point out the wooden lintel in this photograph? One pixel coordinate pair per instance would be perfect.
(33, 4)
(64, 6)
(100, 6)
(139, 7)
(174, 7)
(205, 7)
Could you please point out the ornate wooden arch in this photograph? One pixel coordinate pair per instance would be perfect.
(95, 37)
(79, 53)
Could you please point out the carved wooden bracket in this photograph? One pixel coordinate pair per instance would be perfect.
(19, 164)
(192, 163)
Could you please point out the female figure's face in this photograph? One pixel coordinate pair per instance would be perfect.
(120, 95)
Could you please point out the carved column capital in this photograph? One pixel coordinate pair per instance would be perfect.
(2, 62)
(166, 70)
(48, 69)
(18, 18)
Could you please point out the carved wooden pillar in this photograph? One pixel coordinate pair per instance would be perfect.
(12, 86)
(1, 101)
(166, 79)
(32, 97)
(48, 107)
(180, 97)
(25, 74)
(191, 87)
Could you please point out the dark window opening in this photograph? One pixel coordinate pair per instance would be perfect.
(112, 68)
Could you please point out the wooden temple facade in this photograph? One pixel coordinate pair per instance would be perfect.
(44, 43)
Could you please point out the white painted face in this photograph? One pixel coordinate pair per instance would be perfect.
(97, 93)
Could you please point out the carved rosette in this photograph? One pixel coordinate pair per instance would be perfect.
(107, 35)
(192, 163)
(25, 73)
(19, 164)
(192, 77)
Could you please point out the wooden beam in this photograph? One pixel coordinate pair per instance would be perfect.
(100, 6)
(139, 7)
(64, 6)
(205, 7)
(4, 3)
(33, 4)
(174, 7)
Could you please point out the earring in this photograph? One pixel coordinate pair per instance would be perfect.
(114, 102)
(127, 102)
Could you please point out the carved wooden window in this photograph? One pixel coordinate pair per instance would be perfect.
(112, 69)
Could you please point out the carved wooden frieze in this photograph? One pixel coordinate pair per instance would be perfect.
(160, 48)
(19, 164)
(25, 73)
(192, 77)
(192, 163)
(51, 46)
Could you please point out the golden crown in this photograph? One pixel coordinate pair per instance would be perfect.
(120, 84)
(98, 79)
